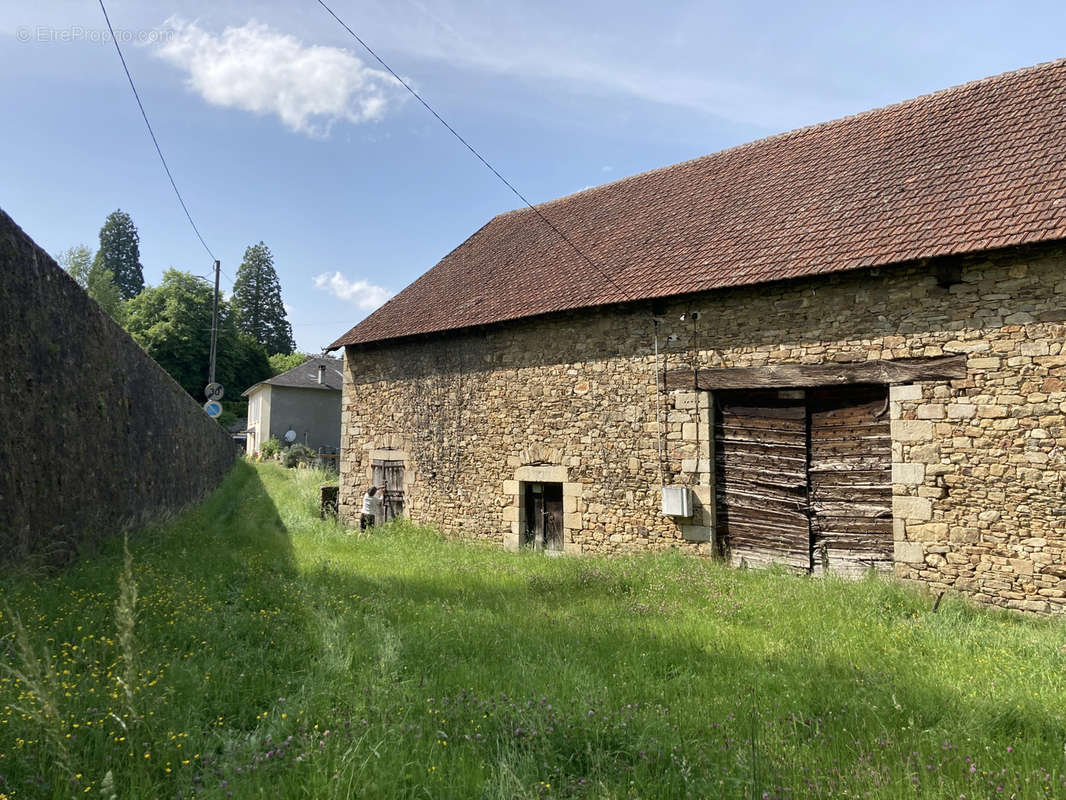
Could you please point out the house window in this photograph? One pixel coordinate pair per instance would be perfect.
(390, 475)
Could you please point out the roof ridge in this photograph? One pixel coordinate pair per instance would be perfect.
(974, 167)
(792, 133)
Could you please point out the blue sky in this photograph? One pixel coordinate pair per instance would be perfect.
(279, 127)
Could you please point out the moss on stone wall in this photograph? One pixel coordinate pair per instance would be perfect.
(94, 435)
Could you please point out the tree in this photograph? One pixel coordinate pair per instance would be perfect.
(94, 278)
(172, 322)
(120, 252)
(257, 301)
(279, 362)
(77, 261)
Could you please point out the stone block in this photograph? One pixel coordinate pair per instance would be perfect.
(1021, 566)
(690, 431)
(961, 411)
(541, 474)
(928, 532)
(908, 474)
(930, 411)
(910, 430)
(510, 488)
(928, 454)
(902, 394)
(573, 522)
(912, 508)
(899, 530)
(908, 552)
(685, 400)
(573, 489)
(1038, 606)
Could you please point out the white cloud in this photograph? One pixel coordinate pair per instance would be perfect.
(364, 295)
(254, 68)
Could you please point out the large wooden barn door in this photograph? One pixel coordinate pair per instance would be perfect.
(851, 478)
(803, 478)
(761, 477)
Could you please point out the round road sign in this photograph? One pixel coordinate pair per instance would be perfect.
(213, 391)
(213, 408)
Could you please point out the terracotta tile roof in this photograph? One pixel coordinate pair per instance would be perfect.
(975, 167)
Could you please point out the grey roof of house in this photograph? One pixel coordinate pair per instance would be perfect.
(305, 376)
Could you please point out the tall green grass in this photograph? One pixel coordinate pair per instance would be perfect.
(269, 653)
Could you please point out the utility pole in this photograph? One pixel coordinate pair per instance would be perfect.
(214, 326)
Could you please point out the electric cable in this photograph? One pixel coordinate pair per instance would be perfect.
(151, 133)
(477, 155)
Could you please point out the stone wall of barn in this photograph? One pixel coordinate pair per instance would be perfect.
(978, 463)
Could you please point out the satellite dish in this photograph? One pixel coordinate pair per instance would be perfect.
(290, 436)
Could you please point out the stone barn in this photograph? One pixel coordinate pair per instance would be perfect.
(839, 349)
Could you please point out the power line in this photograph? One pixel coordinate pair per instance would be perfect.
(477, 155)
(152, 133)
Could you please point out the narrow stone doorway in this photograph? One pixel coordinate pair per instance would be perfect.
(542, 504)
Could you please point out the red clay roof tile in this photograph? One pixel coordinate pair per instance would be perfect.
(977, 166)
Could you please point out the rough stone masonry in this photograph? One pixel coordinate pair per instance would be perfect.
(94, 435)
(978, 463)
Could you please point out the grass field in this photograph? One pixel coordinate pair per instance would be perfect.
(271, 654)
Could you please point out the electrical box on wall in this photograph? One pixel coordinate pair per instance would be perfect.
(677, 501)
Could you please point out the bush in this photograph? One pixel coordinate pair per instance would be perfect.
(297, 454)
(271, 448)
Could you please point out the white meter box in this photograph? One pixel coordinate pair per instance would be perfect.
(677, 501)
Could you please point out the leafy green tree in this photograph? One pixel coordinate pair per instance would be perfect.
(120, 252)
(77, 261)
(94, 278)
(257, 300)
(280, 362)
(172, 322)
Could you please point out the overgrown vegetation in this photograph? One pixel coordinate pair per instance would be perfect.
(269, 653)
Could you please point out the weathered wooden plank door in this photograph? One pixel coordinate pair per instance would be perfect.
(544, 516)
(850, 479)
(761, 477)
(390, 474)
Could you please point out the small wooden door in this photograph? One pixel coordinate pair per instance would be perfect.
(543, 503)
(761, 477)
(390, 474)
(851, 479)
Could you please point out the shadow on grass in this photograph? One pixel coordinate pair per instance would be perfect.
(571, 635)
(245, 632)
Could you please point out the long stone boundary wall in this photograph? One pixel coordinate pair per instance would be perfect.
(94, 435)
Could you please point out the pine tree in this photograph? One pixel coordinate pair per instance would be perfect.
(120, 253)
(257, 301)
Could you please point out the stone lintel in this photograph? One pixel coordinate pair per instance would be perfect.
(541, 474)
